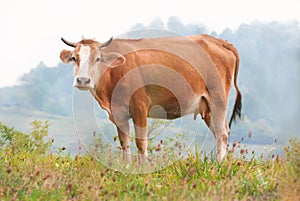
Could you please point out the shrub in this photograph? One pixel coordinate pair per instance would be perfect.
(17, 142)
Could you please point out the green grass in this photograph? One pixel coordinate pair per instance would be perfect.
(32, 175)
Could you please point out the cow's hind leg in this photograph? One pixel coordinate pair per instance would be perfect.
(221, 137)
(220, 132)
(222, 141)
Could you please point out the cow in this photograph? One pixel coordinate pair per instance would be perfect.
(162, 77)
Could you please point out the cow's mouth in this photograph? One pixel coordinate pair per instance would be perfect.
(84, 88)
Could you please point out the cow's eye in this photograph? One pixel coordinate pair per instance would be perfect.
(73, 59)
(98, 59)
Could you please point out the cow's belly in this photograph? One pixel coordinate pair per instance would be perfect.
(165, 105)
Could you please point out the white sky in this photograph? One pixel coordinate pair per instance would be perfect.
(30, 30)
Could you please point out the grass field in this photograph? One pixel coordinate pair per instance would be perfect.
(30, 171)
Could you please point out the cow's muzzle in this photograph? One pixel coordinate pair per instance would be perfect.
(83, 80)
(83, 83)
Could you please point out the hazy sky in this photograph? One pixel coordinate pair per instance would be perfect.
(31, 30)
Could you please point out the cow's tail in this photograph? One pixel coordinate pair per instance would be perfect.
(237, 109)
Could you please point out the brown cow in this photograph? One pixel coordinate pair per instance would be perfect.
(166, 77)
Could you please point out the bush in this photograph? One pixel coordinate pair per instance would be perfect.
(16, 142)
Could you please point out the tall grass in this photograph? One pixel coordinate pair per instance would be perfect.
(44, 175)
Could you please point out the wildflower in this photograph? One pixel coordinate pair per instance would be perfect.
(69, 187)
(46, 177)
(213, 183)
(192, 170)
(37, 173)
(9, 170)
(287, 149)
(158, 148)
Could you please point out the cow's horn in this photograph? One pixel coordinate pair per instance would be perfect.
(106, 43)
(68, 43)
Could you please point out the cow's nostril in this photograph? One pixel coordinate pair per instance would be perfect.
(78, 80)
(87, 80)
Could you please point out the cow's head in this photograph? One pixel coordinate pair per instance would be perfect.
(89, 61)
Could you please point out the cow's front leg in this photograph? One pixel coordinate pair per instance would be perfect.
(141, 139)
(124, 137)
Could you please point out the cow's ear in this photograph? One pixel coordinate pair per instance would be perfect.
(66, 56)
(112, 59)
